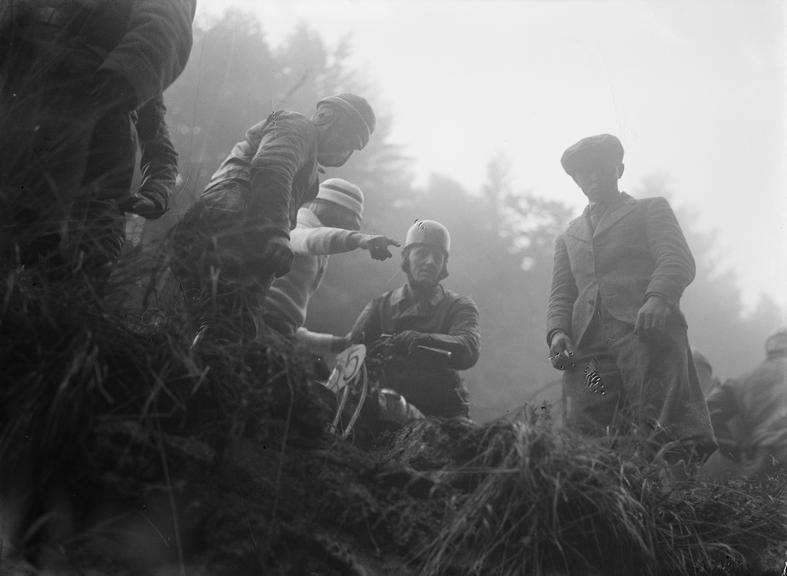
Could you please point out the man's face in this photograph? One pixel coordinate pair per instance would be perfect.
(340, 139)
(598, 182)
(425, 263)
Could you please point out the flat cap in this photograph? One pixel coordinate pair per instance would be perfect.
(592, 151)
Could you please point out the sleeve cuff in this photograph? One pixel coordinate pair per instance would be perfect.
(669, 301)
(551, 333)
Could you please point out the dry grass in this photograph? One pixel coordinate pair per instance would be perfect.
(550, 502)
(521, 497)
(72, 361)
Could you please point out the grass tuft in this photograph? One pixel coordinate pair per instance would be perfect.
(547, 501)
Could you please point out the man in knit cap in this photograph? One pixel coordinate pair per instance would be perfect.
(327, 225)
(614, 323)
(235, 239)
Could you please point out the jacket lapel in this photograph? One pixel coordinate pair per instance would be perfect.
(611, 218)
(580, 227)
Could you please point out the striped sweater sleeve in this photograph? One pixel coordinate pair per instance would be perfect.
(323, 240)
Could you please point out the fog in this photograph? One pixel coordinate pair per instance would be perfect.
(476, 102)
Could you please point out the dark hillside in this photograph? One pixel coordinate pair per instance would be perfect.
(140, 457)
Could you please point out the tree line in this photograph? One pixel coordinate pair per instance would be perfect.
(502, 238)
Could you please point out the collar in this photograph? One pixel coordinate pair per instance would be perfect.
(611, 203)
(405, 294)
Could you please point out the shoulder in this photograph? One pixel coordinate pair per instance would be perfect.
(456, 299)
(307, 219)
(576, 221)
(291, 120)
(391, 296)
(283, 121)
(658, 202)
(382, 299)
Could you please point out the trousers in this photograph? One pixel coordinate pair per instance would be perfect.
(623, 385)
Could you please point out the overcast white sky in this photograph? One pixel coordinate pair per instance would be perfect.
(694, 89)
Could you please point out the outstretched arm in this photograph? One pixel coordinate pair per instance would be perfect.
(325, 240)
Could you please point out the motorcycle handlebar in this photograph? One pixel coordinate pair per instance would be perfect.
(445, 354)
(428, 350)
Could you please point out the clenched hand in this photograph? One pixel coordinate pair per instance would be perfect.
(143, 206)
(278, 256)
(406, 342)
(561, 351)
(652, 319)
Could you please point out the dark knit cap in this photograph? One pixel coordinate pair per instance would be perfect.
(593, 151)
(358, 109)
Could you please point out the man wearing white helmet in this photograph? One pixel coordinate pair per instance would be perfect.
(327, 225)
(749, 415)
(235, 239)
(423, 313)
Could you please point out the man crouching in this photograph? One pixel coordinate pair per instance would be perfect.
(423, 313)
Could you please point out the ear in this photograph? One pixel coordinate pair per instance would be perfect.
(621, 168)
(444, 271)
(405, 260)
(324, 115)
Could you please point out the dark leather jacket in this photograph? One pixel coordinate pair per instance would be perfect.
(276, 165)
(145, 42)
(450, 322)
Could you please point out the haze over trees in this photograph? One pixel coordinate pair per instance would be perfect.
(502, 238)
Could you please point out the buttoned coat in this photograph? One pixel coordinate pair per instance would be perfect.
(637, 250)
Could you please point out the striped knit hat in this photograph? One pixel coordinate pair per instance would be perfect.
(343, 193)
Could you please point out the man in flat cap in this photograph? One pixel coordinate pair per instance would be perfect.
(235, 239)
(614, 324)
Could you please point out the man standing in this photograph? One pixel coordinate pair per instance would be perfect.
(614, 323)
(235, 239)
(72, 74)
(749, 416)
(327, 225)
(423, 313)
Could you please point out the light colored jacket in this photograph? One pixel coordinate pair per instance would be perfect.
(288, 297)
